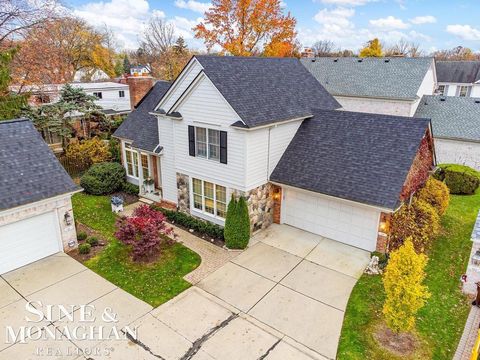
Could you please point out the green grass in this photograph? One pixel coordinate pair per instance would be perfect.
(153, 283)
(440, 323)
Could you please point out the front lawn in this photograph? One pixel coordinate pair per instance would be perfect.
(153, 283)
(440, 323)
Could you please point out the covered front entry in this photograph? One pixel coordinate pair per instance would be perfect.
(28, 240)
(339, 220)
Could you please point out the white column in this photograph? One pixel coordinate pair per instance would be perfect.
(140, 172)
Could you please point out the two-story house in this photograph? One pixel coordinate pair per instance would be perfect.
(392, 86)
(458, 78)
(266, 129)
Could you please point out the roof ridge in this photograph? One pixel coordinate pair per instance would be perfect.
(13, 120)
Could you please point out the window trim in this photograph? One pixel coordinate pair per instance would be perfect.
(467, 90)
(207, 143)
(131, 153)
(202, 211)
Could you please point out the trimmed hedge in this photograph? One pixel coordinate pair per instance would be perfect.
(130, 188)
(187, 221)
(84, 248)
(460, 179)
(104, 178)
(237, 224)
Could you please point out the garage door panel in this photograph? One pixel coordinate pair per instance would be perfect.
(334, 219)
(28, 240)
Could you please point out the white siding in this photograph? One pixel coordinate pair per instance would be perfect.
(376, 106)
(458, 152)
(206, 107)
(427, 87)
(280, 138)
(452, 89)
(475, 91)
(181, 84)
(111, 99)
(167, 159)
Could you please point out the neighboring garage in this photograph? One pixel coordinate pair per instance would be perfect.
(456, 128)
(350, 223)
(345, 173)
(36, 218)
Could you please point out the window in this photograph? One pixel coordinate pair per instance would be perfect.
(121, 93)
(441, 90)
(463, 91)
(207, 143)
(145, 173)
(98, 95)
(209, 198)
(131, 158)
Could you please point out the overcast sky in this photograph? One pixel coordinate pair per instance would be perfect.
(434, 25)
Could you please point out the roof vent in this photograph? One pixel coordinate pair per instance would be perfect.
(443, 98)
(360, 60)
(477, 101)
(387, 60)
(313, 60)
(335, 60)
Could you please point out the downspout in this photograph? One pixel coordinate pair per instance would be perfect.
(268, 154)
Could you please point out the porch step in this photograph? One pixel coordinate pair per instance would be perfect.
(146, 201)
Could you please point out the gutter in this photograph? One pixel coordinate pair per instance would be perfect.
(377, 97)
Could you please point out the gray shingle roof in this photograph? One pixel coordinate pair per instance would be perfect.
(354, 156)
(29, 170)
(458, 71)
(140, 126)
(266, 90)
(455, 117)
(399, 78)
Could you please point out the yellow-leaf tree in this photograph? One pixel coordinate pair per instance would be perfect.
(404, 288)
(249, 27)
(372, 49)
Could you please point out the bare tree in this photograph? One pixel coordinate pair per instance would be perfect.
(404, 48)
(324, 48)
(159, 36)
(17, 16)
(457, 53)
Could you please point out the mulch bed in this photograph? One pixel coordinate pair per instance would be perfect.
(127, 198)
(102, 242)
(403, 344)
(211, 240)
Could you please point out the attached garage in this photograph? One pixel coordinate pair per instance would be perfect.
(29, 240)
(349, 223)
(36, 218)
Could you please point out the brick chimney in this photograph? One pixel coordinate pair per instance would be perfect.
(139, 86)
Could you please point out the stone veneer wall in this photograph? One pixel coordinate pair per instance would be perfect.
(68, 233)
(260, 206)
(183, 192)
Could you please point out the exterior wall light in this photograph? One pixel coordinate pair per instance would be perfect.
(68, 218)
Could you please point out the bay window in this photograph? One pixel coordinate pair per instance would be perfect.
(209, 198)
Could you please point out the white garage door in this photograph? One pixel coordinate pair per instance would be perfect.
(337, 220)
(28, 240)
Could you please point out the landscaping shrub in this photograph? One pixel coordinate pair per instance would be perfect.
(435, 193)
(84, 248)
(419, 221)
(237, 224)
(92, 240)
(81, 236)
(187, 221)
(143, 231)
(114, 149)
(130, 188)
(88, 152)
(103, 178)
(460, 179)
(404, 289)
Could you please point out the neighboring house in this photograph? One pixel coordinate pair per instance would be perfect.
(392, 86)
(458, 78)
(266, 129)
(90, 75)
(140, 70)
(114, 98)
(140, 142)
(456, 128)
(36, 218)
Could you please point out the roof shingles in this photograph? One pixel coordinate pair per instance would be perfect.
(354, 156)
(467, 72)
(30, 171)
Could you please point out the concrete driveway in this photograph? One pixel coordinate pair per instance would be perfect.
(283, 298)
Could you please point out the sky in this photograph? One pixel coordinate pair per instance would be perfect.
(434, 24)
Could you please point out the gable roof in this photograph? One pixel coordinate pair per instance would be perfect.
(395, 78)
(452, 117)
(30, 171)
(263, 91)
(458, 71)
(140, 126)
(354, 156)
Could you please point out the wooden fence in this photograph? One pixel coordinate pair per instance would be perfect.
(74, 168)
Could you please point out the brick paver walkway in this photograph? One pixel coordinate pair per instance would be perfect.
(465, 346)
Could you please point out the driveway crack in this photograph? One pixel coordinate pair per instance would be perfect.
(269, 350)
(142, 345)
(200, 341)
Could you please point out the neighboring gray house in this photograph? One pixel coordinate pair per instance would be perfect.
(458, 78)
(391, 86)
(266, 129)
(456, 128)
(36, 218)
